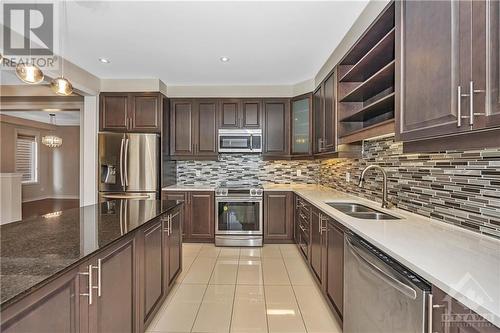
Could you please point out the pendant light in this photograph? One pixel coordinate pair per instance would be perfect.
(61, 85)
(52, 141)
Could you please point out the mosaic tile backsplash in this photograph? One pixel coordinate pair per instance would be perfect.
(457, 187)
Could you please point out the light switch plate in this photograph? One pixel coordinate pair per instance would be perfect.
(299, 172)
(348, 177)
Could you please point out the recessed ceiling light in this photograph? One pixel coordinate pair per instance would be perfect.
(104, 60)
(224, 59)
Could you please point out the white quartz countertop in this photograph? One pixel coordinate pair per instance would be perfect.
(188, 188)
(464, 264)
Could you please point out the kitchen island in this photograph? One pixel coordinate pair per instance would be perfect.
(80, 269)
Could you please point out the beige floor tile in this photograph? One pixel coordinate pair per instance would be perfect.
(271, 251)
(225, 271)
(200, 271)
(215, 310)
(283, 314)
(250, 272)
(186, 265)
(252, 253)
(180, 314)
(209, 251)
(274, 272)
(249, 312)
(298, 272)
(290, 251)
(229, 253)
(163, 307)
(315, 311)
(191, 249)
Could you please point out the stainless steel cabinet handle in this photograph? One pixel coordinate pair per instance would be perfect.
(99, 277)
(251, 141)
(429, 310)
(320, 225)
(473, 91)
(90, 288)
(126, 161)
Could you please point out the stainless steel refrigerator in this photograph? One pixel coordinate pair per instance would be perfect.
(129, 166)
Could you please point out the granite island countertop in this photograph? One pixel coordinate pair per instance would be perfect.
(36, 250)
(462, 263)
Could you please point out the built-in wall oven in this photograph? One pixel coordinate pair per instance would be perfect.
(238, 216)
(240, 140)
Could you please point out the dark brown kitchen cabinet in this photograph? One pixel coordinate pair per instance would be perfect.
(53, 308)
(193, 130)
(198, 215)
(153, 271)
(278, 216)
(172, 231)
(240, 113)
(276, 127)
(451, 316)
(116, 295)
(443, 65)
(130, 112)
(302, 226)
(334, 275)
(301, 125)
(317, 244)
(324, 117)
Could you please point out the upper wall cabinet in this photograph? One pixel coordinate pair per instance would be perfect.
(448, 76)
(324, 117)
(301, 122)
(130, 112)
(193, 128)
(237, 113)
(276, 127)
(365, 83)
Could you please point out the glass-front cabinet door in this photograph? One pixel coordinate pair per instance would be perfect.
(301, 116)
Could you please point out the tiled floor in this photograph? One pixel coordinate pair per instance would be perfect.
(244, 290)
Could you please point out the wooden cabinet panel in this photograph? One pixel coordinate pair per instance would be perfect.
(145, 113)
(206, 128)
(430, 67)
(115, 309)
(54, 308)
(201, 208)
(335, 266)
(329, 123)
(230, 113)
(276, 126)
(181, 120)
(175, 246)
(318, 121)
(316, 257)
(153, 269)
(251, 113)
(278, 216)
(181, 196)
(114, 112)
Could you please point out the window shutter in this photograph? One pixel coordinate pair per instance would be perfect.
(26, 157)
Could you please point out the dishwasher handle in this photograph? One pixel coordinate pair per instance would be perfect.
(390, 279)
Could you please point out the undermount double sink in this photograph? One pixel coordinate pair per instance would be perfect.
(361, 211)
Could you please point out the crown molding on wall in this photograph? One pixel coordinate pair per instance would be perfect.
(133, 85)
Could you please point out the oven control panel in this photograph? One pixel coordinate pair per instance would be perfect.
(238, 192)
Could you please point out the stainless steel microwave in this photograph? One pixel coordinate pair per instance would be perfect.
(240, 140)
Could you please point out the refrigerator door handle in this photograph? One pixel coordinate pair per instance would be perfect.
(126, 161)
(121, 163)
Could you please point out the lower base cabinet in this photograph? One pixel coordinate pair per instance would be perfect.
(334, 275)
(118, 289)
(278, 216)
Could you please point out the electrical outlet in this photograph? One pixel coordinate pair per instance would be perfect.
(198, 173)
(348, 177)
(299, 172)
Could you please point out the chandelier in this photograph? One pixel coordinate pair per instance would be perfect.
(52, 141)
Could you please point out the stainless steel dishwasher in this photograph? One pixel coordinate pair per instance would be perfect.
(380, 295)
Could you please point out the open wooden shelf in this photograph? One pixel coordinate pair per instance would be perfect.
(375, 84)
(373, 109)
(382, 128)
(379, 56)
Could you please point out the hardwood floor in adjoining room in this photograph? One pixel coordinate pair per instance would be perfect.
(45, 206)
(244, 290)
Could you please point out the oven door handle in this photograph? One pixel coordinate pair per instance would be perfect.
(238, 199)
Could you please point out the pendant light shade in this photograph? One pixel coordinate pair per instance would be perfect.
(52, 141)
(29, 73)
(61, 86)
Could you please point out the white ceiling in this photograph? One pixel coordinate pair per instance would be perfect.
(63, 118)
(269, 43)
